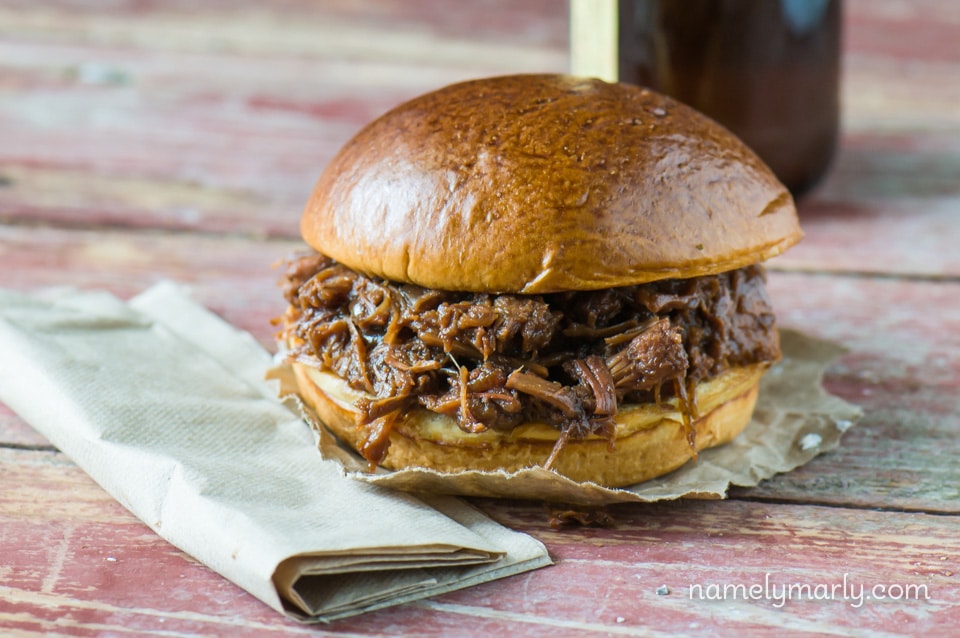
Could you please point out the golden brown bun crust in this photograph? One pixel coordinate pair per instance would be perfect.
(650, 442)
(542, 183)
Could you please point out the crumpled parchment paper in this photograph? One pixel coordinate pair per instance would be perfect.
(795, 420)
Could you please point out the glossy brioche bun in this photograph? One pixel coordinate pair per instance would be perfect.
(651, 440)
(545, 183)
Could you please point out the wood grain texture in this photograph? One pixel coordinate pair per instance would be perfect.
(889, 205)
(234, 276)
(89, 567)
(124, 116)
(213, 134)
(903, 368)
(143, 140)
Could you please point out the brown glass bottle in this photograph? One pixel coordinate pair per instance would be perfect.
(766, 69)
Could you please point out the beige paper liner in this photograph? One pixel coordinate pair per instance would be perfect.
(795, 420)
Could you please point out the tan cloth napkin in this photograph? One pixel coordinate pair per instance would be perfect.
(164, 405)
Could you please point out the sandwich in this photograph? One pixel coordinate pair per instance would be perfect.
(537, 271)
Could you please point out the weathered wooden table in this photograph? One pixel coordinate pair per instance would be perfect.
(148, 140)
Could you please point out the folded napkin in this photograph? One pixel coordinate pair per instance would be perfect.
(165, 406)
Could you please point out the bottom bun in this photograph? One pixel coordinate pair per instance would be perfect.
(651, 440)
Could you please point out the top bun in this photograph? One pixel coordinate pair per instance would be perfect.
(546, 183)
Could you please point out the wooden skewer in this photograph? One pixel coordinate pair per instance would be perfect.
(593, 39)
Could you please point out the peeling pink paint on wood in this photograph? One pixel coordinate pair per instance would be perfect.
(100, 566)
(175, 140)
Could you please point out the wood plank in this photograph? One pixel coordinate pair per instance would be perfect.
(233, 275)
(83, 564)
(195, 114)
(903, 368)
(226, 140)
(76, 196)
(249, 27)
(899, 58)
(877, 28)
(226, 146)
(889, 205)
(681, 544)
(126, 117)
